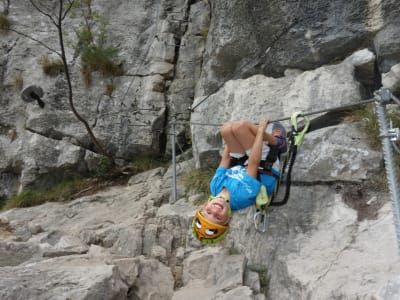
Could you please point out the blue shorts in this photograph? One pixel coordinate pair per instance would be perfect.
(269, 181)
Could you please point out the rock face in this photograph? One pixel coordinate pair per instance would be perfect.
(332, 240)
(171, 53)
(228, 60)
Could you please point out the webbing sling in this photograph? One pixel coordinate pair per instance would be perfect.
(295, 138)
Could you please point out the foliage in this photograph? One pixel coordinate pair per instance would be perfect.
(198, 180)
(371, 127)
(51, 67)
(98, 57)
(91, 35)
(370, 123)
(102, 168)
(105, 174)
(57, 13)
(395, 117)
(64, 191)
(4, 23)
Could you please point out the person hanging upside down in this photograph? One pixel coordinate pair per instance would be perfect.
(240, 175)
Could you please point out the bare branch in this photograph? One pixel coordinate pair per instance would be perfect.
(43, 12)
(58, 22)
(36, 40)
(67, 10)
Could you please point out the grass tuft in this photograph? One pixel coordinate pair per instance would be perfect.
(64, 191)
(198, 180)
(51, 67)
(367, 114)
(103, 176)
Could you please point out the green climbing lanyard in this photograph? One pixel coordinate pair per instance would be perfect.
(295, 139)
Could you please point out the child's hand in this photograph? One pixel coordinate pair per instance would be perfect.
(263, 123)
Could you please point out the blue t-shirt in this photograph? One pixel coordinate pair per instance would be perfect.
(243, 189)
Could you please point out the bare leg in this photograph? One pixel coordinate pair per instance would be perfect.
(240, 136)
(234, 144)
(256, 150)
(247, 131)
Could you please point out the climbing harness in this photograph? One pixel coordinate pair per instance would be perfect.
(294, 140)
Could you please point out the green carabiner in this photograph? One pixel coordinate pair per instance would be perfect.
(299, 136)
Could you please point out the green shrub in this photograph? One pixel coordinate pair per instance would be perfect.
(102, 59)
(91, 43)
(51, 67)
(103, 168)
(96, 56)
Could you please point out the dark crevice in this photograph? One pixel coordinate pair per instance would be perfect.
(169, 115)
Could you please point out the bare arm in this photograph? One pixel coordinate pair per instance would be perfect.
(270, 139)
(256, 150)
(226, 158)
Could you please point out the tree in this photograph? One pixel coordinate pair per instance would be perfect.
(57, 13)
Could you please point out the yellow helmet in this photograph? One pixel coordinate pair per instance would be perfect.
(206, 231)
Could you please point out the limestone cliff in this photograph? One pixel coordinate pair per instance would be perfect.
(226, 60)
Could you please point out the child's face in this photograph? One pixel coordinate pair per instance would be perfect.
(216, 211)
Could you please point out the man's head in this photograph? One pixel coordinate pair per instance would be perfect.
(211, 221)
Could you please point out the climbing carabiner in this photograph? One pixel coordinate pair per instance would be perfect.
(299, 136)
(260, 217)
